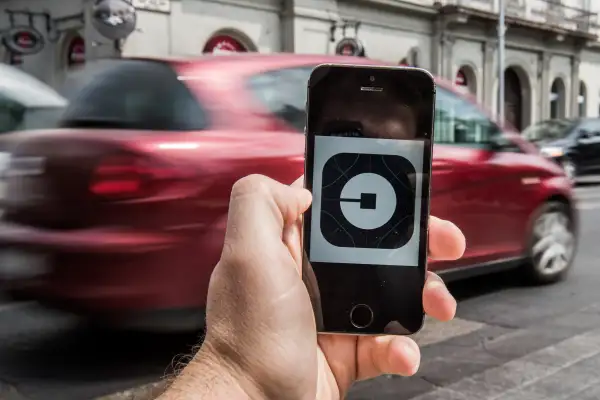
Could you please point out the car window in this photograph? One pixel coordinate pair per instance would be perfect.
(11, 114)
(549, 130)
(14, 116)
(460, 122)
(591, 126)
(135, 94)
(27, 103)
(283, 92)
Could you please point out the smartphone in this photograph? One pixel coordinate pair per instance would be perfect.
(369, 136)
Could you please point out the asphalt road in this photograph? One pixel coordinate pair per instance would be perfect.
(508, 342)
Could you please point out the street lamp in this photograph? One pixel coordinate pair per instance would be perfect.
(501, 67)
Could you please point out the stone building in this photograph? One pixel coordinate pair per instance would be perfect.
(552, 47)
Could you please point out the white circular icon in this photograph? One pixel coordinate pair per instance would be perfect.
(368, 201)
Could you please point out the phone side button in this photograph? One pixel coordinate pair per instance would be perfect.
(361, 316)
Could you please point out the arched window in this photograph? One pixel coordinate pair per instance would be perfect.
(557, 99)
(412, 59)
(75, 52)
(228, 41)
(466, 80)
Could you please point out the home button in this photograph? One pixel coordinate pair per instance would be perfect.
(361, 316)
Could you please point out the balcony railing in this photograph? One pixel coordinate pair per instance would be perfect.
(548, 12)
(553, 12)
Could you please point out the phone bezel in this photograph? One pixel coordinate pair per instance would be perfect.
(366, 71)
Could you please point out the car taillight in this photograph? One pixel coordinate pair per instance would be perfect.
(130, 177)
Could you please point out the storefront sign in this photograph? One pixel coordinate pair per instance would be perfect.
(223, 44)
(162, 6)
(114, 19)
(76, 52)
(350, 47)
(23, 40)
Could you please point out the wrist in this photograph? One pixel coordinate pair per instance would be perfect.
(207, 377)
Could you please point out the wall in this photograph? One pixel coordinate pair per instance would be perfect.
(192, 22)
(468, 54)
(45, 64)
(389, 34)
(589, 72)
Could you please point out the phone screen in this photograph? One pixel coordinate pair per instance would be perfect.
(368, 164)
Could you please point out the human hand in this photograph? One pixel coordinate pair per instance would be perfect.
(261, 339)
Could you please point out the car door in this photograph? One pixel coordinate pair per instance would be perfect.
(587, 144)
(468, 184)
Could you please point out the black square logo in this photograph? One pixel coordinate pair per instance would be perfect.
(368, 201)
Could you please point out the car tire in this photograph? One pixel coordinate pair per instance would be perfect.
(552, 244)
(570, 169)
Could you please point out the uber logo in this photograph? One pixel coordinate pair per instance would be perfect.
(366, 201)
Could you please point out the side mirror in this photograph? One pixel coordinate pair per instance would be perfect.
(583, 135)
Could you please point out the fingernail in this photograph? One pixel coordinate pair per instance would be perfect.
(411, 349)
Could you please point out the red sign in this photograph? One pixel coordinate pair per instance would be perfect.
(461, 79)
(76, 52)
(350, 47)
(347, 50)
(224, 44)
(23, 40)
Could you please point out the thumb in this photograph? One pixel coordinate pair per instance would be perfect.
(261, 207)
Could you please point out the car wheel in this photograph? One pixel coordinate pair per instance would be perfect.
(552, 244)
(570, 169)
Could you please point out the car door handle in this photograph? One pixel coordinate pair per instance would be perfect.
(438, 165)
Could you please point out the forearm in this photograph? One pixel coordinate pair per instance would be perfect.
(206, 378)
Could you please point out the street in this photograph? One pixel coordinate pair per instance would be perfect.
(509, 341)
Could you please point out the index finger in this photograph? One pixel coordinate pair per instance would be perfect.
(261, 206)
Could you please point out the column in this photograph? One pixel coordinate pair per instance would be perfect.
(489, 73)
(448, 56)
(437, 47)
(287, 26)
(575, 62)
(544, 85)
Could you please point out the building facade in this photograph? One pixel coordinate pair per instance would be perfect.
(552, 48)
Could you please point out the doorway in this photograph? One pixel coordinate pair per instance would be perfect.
(513, 99)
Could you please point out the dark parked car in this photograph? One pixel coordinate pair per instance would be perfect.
(120, 214)
(573, 143)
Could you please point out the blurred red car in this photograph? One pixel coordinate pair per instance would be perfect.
(120, 215)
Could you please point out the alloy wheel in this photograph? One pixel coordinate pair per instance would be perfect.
(554, 243)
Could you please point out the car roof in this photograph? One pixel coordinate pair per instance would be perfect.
(243, 61)
(245, 64)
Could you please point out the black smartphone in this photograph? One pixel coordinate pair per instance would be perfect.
(369, 136)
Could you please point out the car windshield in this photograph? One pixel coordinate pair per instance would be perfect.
(132, 94)
(549, 130)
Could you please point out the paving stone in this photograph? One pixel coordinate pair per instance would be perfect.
(390, 387)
